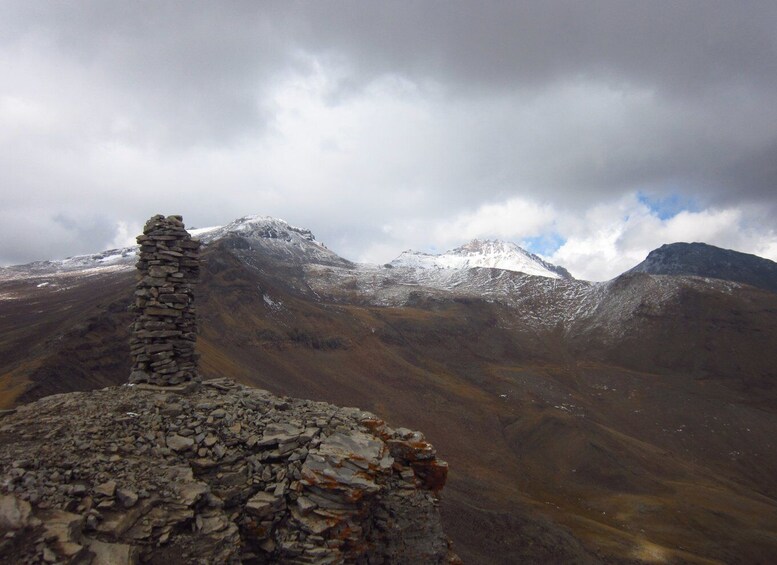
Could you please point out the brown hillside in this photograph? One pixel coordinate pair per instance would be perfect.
(650, 443)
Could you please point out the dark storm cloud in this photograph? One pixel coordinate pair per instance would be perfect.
(199, 70)
(219, 51)
(679, 46)
(710, 66)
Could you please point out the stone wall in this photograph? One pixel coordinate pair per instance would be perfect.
(163, 336)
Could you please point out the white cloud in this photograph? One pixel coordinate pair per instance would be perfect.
(598, 244)
(610, 239)
(767, 248)
(516, 218)
(126, 235)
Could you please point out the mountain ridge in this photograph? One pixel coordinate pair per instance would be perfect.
(635, 416)
(289, 243)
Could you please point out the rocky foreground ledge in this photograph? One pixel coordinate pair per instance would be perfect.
(213, 473)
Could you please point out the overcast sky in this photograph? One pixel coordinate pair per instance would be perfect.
(588, 131)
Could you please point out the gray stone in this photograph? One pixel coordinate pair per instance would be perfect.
(179, 443)
(191, 492)
(323, 488)
(107, 488)
(127, 497)
(263, 504)
(305, 505)
(110, 553)
(14, 513)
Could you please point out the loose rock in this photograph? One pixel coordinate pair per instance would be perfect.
(312, 483)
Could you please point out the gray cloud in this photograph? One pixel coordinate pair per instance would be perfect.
(683, 47)
(710, 68)
(440, 108)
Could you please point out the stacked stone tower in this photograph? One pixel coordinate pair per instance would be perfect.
(163, 336)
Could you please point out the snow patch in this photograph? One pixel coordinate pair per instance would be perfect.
(272, 304)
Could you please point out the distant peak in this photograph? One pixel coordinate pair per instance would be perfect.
(257, 227)
(704, 260)
(483, 253)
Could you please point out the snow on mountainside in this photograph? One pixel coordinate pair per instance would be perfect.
(391, 286)
(537, 293)
(493, 271)
(257, 227)
(273, 237)
(103, 262)
(488, 254)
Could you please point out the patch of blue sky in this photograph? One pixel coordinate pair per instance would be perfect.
(666, 207)
(545, 244)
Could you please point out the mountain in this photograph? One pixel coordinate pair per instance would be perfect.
(83, 265)
(626, 421)
(487, 254)
(268, 236)
(702, 260)
(273, 238)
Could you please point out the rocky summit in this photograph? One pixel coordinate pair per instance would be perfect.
(703, 260)
(213, 473)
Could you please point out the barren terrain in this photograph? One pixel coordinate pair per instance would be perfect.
(642, 431)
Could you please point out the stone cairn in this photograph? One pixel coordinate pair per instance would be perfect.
(164, 334)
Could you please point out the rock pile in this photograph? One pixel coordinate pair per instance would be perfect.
(163, 337)
(220, 473)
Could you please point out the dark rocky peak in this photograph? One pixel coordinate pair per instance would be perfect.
(703, 260)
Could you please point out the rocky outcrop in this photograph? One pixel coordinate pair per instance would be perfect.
(163, 336)
(216, 473)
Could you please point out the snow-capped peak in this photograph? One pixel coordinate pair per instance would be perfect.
(256, 227)
(484, 253)
(275, 238)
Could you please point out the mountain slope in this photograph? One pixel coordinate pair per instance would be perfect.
(702, 260)
(607, 422)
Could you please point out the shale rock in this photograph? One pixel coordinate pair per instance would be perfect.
(217, 473)
(163, 336)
